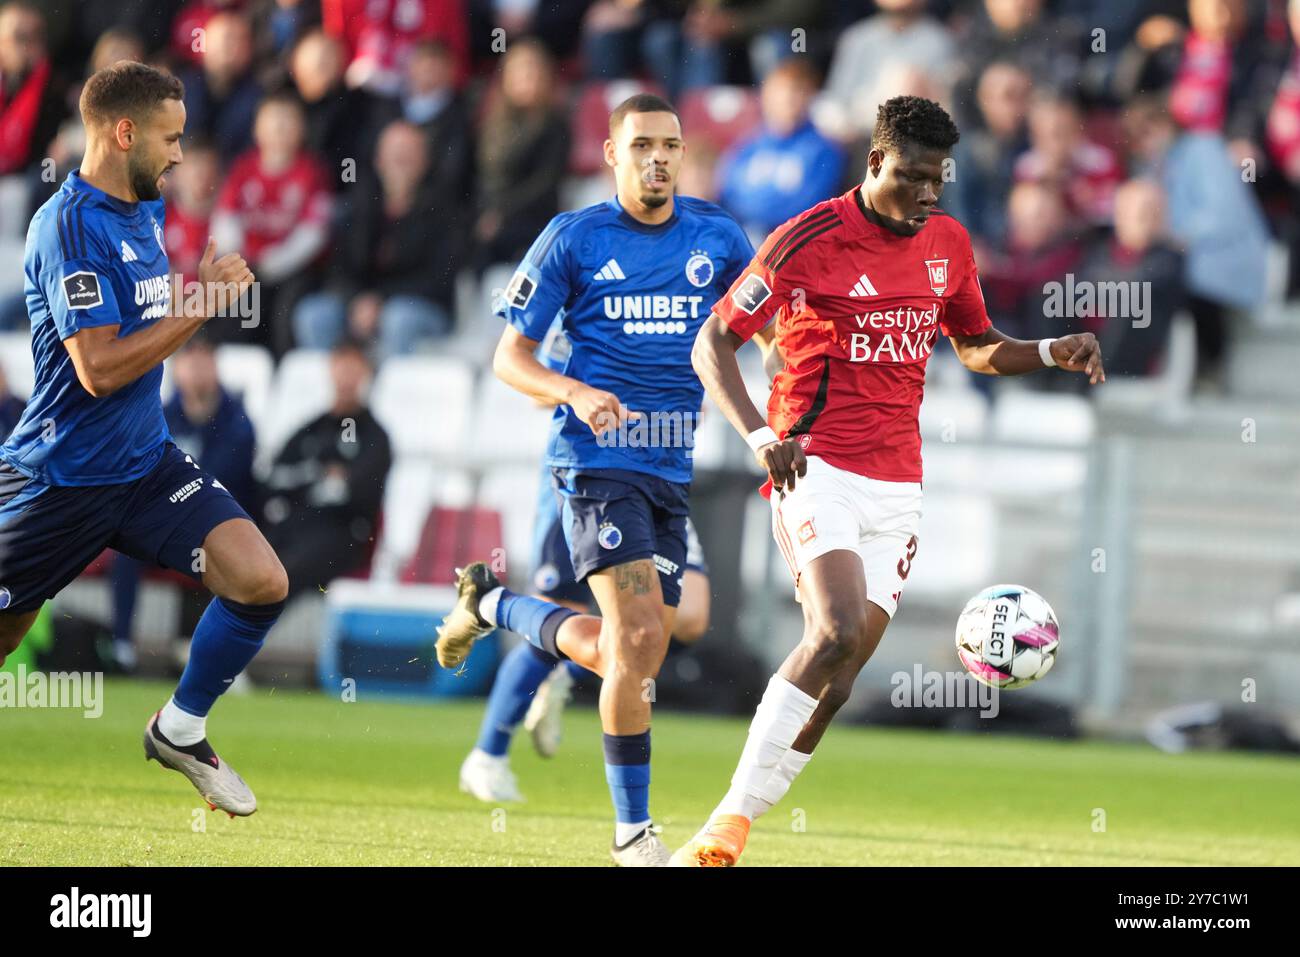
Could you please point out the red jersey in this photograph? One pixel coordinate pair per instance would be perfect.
(269, 207)
(858, 311)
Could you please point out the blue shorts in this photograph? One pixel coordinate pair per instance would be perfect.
(613, 516)
(49, 534)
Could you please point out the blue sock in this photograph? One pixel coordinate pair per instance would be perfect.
(576, 671)
(227, 637)
(518, 679)
(627, 770)
(535, 619)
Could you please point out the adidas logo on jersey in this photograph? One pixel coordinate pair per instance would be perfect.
(863, 287)
(609, 271)
(128, 254)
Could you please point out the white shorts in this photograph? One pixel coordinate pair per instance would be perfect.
(831, 508)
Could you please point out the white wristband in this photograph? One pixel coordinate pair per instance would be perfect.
(761, 437)
(1045, 351)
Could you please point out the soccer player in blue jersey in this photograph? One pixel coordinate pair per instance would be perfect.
(90, 465)
(634, 277)
(533, 685)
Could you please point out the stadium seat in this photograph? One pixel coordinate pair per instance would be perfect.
(413, 486)
(16, 360)
(953, 415)
(451, 538)
(720, 114)
(515, 428)
(1025, 417)
(248, 370)
(300, 392)
(958, 542)
(512, 494)
(595, 102)
(423, 402)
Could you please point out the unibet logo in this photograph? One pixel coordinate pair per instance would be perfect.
(653, 307)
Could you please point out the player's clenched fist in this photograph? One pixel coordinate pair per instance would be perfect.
(783, 460)
(225, 280)
(602, 411)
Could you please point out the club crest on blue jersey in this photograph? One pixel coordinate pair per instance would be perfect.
(699, 269)
(610, 536)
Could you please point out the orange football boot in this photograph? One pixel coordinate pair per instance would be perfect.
(718, 845)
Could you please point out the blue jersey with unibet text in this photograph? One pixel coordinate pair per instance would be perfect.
(91, 260)
(630, 298)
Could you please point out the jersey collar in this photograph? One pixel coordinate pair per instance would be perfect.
(75, 182)
(629, 220)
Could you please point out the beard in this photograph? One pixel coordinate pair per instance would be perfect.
(655, 200)
(144, 182)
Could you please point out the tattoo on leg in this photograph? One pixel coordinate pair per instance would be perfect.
(633, 578)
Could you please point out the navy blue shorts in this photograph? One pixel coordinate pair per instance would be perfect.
(49, 534)
(613, 516)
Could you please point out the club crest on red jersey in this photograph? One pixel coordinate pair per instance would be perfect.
(937, 269)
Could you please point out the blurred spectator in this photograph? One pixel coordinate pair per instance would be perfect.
(394, 267)
(31, 108)
(1049, 49)
(1213, 214)
(900, 34)
(221, 95)
(378, 36)
(1040, 248)
(1225, 75)
(429, 100)
(278, 25)
(724, 41)
(984, 158)
(189, 28)
(523, 153)
(1061, 154)
(11, 407)
(336, 115)
(787, 165)
(191, 197)
(326, 487)
(699, 173)
(1138, 252)
(210, 425)
(275, 209)
(1282, 138)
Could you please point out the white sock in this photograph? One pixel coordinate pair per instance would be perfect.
(625, 832)
(180, 727)
(478, 754)
(778, 720)
(787, 769)
(487, 605)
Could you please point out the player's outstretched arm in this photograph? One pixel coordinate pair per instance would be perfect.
(105, 361)
(992, 353)
(515, 363)
(714, 359)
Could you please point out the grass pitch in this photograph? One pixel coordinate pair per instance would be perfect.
(374, 782)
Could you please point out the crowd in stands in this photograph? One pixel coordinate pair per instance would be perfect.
(363, 154)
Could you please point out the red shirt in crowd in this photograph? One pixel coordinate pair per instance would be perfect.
(269, 207)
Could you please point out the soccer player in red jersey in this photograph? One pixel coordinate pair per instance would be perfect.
(858, 290)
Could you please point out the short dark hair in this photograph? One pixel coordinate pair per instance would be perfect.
(915, 120)
(639, 103)
(127, 88)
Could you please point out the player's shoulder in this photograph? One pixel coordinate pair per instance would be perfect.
(947, 227)
(710, 213)
(814, 225)
(570, 227)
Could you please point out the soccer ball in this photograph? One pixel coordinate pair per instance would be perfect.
(1007, 636)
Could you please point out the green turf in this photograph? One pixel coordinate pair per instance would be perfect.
(374, 782)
